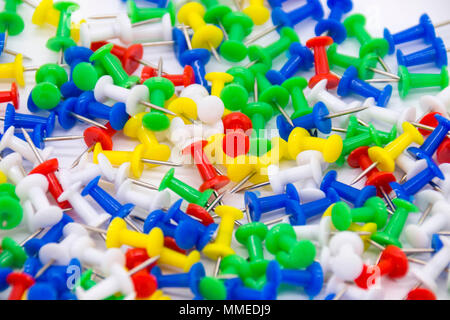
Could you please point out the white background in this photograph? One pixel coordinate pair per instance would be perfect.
(396, 15)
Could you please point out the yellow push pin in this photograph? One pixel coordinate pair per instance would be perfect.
(221, 247)
(186, 108)
(205, 36)
(118, 235)
(3, 178)
(300, 140)
(218, 81)
(45, 13)
(257, 12)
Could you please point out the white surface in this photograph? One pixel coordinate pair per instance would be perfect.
(396, 15)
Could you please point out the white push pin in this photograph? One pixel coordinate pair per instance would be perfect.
(10, 141)
(280, 178)
(33, 188)
(59, 253)
(117, 28)
(149, 201)
(210, 109)
(320, 94)
(84, 250)
(135, 99)
(195, 92)
(309, 189)
(82, 207)
(435, 266)
(388, 116)
(346, 249)
(152, 32)
(316, 232)
(344, 291)
(12, 167)
(411, 167)
(419, 236)
(118, 281)
(439, 103)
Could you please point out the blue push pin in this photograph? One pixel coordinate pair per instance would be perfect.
(424, 29)
(32, 265)
(197, 59)
(58, 276)
(258, 206)
(179, 42)
(88, 107)
(408, 189)
(436, 53)
(237, 291)
(42, 291)
(4, 272)
(175, 213)
(74, 56)
(276, 3)
(311, 279)
(27, 121)
(317, 119)
(65, 111)
(300, 58)
(436, 243)
(333, 26)
(189, 279)
(349, 193)
(350, 83)
(281, 18)
(53, 234)
(159, 3)
(311, 209)
(434, 140)
(37, 136)
(156, 219)
(190, 234)
(106, 201)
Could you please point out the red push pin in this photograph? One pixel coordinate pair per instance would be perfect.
(93, 135)
(144, 283)
(236, 141)
(321, 65)
(211, 179)
(170, 243)
(393, 263)
(200, 213)
(130, 57)
(48, 169)
(185, 79)
(430, 121)
(19, 282)
(421, 294)
(443, 152)
(359, 158)
(11, 96)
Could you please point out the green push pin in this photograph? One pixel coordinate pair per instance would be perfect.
(12, 255)
(143, 14)
(364, 139)
(185, 191)
(355, 26)
(113, 67)
(11, 212)
(235, 94)
(49, 78)
(161, 90)
(252, 235)
(275, 95)
(236, 265)
(212, 289)
(63, 40)
(238, 26)
(266, 55)
(215, 11)
(410, 81)
(295, 86)
(394, 228)
(282, 242)
(374, 210)
(259, 113)
(85, 76)
(354, 129)
(10, 21)
(364, 65)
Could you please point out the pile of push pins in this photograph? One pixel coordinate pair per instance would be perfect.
(97, 230)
